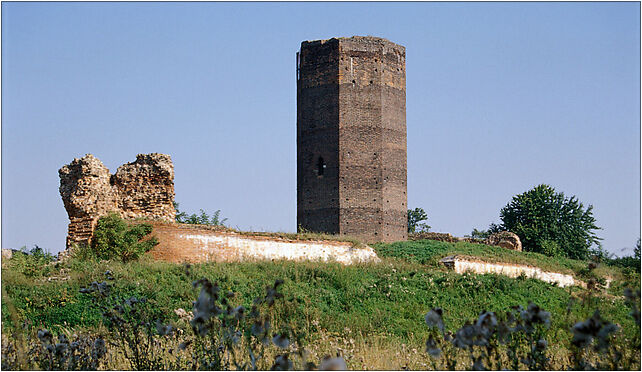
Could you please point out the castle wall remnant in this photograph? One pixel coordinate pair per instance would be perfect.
(351, 138)
(197, 243)
(141, 189)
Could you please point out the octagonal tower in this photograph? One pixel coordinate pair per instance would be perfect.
(351, 138)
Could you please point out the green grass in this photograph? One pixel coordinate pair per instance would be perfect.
(429, 252)
(389, 298)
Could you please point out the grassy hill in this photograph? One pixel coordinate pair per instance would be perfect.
(372, 313)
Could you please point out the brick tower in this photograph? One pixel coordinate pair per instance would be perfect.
(351, 138)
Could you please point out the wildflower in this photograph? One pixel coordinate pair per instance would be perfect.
(281, 363)
(486, 323)
(45, 336)
(205, 306)
(257, 328)
(434, 319)
(478, 365)
(333, 364)
(431, 348)
(467, 336)
(239, 312)
(594, 327)
(272, 293)
(99, 349)
(60, 348)
(535, 315)
(164, 329)
(503, 333)
(281, 341)
(254, 312)
(541, 345)
(232, 335)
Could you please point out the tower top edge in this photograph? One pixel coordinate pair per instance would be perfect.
(357, 39)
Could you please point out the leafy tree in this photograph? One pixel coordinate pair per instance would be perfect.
(548, 222)
(415, 216)
(115, 238)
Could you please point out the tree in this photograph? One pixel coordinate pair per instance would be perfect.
(415, 216)
(548, 222)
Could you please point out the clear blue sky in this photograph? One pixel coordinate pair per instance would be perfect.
(500, 97)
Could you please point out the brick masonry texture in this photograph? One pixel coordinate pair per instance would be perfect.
(197, 243)
(351, 138)
(141, 189)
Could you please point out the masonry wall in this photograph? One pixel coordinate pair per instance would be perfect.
(318, 137)
(193, 243)
(140, 189)
(367, 137)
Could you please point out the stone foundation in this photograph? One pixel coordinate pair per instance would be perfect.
(463, 264)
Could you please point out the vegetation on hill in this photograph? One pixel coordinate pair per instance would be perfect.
(126, 311)
(202, 218)
(550, 223)
(362, 311)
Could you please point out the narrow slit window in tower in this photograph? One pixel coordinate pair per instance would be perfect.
(320, 166)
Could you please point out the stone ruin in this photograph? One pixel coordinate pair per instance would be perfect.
(145, 189)
(504, 239)
(141, 189)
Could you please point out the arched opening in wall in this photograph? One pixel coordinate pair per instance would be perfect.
(321, 166)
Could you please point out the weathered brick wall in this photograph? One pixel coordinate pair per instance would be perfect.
(351, 112)
(144, 188)
(318, 137)
(195, 243)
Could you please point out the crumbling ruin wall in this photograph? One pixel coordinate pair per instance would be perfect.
(141, 189)
(504, 239)
(145, 187)
(197, 243)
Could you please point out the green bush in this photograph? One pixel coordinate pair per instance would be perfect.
(115, 238)
(550, 248)
(543, 215)
(33, 263)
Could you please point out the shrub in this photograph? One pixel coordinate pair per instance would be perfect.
(33, 263)
(115, 238)
(541, 216)
(199, 219)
